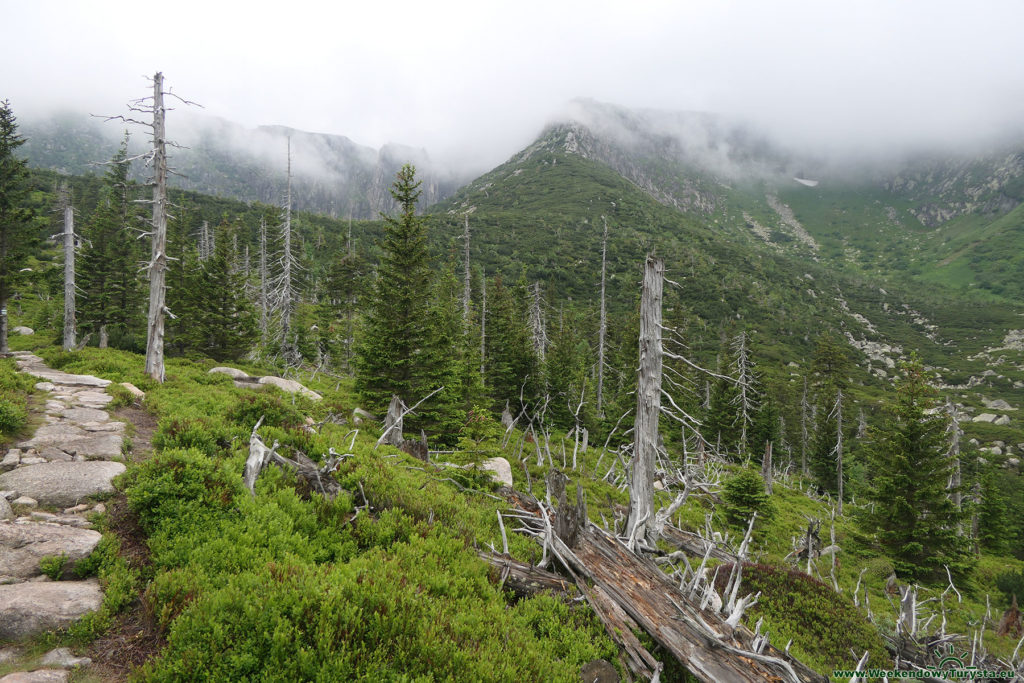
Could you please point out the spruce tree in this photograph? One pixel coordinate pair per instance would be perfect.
(112, 290)
(17, 231)
(911, 512)
(220, 321)
(404, 347)
(510, 364)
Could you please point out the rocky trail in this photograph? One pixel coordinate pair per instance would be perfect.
(48, 489)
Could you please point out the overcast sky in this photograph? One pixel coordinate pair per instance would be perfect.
(476, 80)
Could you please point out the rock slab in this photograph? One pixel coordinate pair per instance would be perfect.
(500, 470)
(38, 676)
(23, 545)
(27, 609)
(62, 484)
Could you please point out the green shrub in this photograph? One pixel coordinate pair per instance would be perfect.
(824, 625)
(13, 417)
(268, 405)
(1011, 583)
(53, 565)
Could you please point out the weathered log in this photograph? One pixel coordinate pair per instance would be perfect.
(525, 580)
(700, 640)
(693, 544)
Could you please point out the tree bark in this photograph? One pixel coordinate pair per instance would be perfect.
(158, 262)
(69, 272)
(602, 330)
(648, 401)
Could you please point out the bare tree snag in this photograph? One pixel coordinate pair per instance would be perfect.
(538, 331)
(158, 260)
(264, 286)
(69, 270)
(466, 293)
(393, 423)
(483, 321)
(602, 330)
(955, 432)
(839, 447)
(648, 401)
(766, 468)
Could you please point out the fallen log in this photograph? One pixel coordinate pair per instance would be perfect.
(523, 579)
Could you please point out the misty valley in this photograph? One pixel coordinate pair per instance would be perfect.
(659, 397)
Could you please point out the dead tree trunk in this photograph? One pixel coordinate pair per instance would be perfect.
(285, 296)
(158, 260)
(69, 271)
(537, 328)
(483, 321)
(466, 293)
(393, 423)
(766, 468)
(648, 401)
(264, 301)
(602, 330)
(804, 434)
(839, 448)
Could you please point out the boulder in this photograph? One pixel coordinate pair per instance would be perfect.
(23, 545)
(998, 404)
(290, 386)
(23, 331)
(6, 512)
(26, 501)
(45, 386)
(63, 658)
(500, 470)
(27, 609)
(1002, 420)
(233, 373)
(62, 484)
(11, 460)
(38, 676)
(599, 671)
(984, 417)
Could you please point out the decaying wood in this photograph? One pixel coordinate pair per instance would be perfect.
(1010, 624)
(158, 260)
(393, 423)
(648, 401)
(710, 648)
(69, 270)
(525, 580)
(317, 478)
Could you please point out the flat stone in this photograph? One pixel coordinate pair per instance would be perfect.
(116, 427)
(38, 676)
(98, 447)
(500, 470)
(26, 501)
(86, 415)
(92, 399)
(53, 453)
(27, 609)
(25, 544)
(984, 417)
(22, 330)
(290, 386)
(63, 658)
(54, 435)
(62, 484)
(233, 373)
(78, 508)
(66, 379)
(6, 512)
(11, 460)
(32, 460)
(45, 386)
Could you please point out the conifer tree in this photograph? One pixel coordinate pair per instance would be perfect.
(402, 344)
(17, 233)
(511, 366)
(109, 273)
(221, 323)
(911, 514)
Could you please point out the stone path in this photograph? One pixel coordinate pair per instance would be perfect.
(46, 486)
